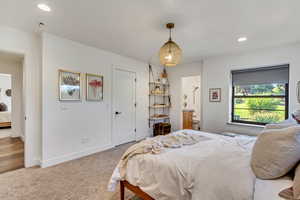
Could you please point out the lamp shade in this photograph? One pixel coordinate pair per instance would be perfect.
(170, 54)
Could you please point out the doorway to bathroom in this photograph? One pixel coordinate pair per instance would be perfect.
(191, 102)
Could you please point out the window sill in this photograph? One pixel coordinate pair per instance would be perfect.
(247, 125)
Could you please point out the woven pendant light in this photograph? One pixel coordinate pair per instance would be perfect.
(170, 53)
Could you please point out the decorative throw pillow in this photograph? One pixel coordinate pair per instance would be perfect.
(276, 152)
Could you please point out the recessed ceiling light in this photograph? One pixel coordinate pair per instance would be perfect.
(242, 39)
(44, 7)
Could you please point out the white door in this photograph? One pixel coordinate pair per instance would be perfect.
(124, 86)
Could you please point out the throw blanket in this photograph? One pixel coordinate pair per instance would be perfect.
(154, 146)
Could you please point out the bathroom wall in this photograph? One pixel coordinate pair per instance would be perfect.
(190, 94)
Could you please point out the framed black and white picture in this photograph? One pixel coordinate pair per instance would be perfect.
(215, 94)
(69, 86)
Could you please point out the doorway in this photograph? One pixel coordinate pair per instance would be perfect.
(191, 99)
(5, 106)
(11, 112)
(124, 106)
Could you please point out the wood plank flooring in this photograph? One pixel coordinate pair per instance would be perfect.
(11, 154)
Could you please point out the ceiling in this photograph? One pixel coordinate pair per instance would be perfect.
(135, 28)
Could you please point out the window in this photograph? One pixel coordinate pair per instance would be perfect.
(260, 96)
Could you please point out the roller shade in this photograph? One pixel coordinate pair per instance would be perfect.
(263, 75)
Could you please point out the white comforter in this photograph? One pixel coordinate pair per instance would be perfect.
(213, 169)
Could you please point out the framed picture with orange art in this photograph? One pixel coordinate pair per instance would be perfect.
(94, 87)
(215, 95)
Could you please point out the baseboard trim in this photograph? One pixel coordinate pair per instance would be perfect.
(33, 163)
(73, 156)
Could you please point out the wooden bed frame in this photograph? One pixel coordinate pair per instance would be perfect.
(136, 190)
(5, 124)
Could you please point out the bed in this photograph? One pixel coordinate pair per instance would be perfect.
(213, 169)
(5, 119)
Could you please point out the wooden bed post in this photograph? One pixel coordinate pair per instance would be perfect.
(136, 190)
(122, 190)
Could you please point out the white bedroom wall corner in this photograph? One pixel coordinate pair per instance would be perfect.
(33, 99)
(77, 120)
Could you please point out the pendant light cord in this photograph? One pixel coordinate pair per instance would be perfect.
(170, 39)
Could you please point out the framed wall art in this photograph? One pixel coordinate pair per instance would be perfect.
(94, 87)
(215, 94)
(69, 86)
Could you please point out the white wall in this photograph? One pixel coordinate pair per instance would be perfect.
(67, 124)
(216, 74)
(175, 75)
(28, 45)
(14, 81)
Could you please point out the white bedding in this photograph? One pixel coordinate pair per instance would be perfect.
(5, 116)
(269, 189)
(215, 169)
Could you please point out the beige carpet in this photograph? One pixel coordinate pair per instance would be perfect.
(82, 179)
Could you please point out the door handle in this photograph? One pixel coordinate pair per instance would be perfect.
(118, 113)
